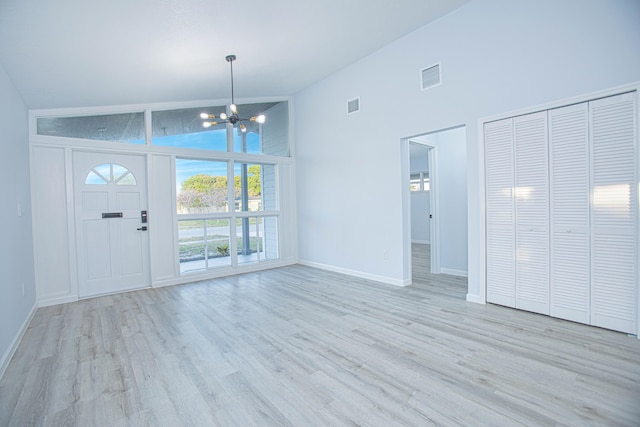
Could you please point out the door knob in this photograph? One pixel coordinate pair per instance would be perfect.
(143, 228)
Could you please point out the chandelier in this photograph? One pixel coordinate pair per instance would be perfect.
(233, 117)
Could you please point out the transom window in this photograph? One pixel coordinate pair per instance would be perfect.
(124, 127)
(110, 172)
(181, 129)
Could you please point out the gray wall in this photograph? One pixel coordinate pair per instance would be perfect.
(16, 247)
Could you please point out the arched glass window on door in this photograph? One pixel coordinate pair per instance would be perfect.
(110, 172)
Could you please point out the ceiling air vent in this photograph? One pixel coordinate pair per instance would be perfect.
(431, 76)
(353, 105)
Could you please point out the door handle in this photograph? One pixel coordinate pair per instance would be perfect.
(143, 228)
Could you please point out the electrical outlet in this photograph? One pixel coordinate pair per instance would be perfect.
(19, 209)
(386, 255)
(22, 285)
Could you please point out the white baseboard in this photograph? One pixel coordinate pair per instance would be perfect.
(355, 273)
(223, 272)
(475, 299)
(45, 302)
(453, 272)
(6, 357)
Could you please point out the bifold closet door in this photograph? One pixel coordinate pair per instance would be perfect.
(532, 212)
(614, 209)
(499, 170)
(569, 185)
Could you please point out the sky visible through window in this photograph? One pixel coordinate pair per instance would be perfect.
(211, 140)
(215, 140)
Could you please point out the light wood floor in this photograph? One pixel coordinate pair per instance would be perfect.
(304, 347)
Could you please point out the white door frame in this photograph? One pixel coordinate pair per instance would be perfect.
(405, 192)
(434, 218)
(406, 207)
(434, 200)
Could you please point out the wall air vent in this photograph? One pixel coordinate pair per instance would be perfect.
(353, 105)
(431, 76)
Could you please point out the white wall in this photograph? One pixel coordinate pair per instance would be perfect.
(452, 200)
(55, 277)
(497, 56)
(418, 158)
(16, 247)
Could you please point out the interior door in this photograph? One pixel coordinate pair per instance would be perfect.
(531, 192)
(614, 272)
(111, 229)
(500, 183)
(570, 267)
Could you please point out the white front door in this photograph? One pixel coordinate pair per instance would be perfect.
(112, 241)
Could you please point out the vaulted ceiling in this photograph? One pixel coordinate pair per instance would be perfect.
(72, 53)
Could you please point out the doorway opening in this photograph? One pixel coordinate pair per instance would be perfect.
(434, 195)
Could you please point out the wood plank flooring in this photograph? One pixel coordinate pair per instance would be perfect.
(304, 347)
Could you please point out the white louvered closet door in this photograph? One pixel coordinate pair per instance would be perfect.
(614, 201)
(569, 191)
(498, 139)
(532, 212)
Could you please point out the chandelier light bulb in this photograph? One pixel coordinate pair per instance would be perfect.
(232, 118)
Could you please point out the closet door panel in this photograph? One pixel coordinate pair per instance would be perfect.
(500, 219)
(532, 272)
(569, 190)
(613, 297)
(532, 185)
(614, 256)
(570, 277)
(532, 212)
